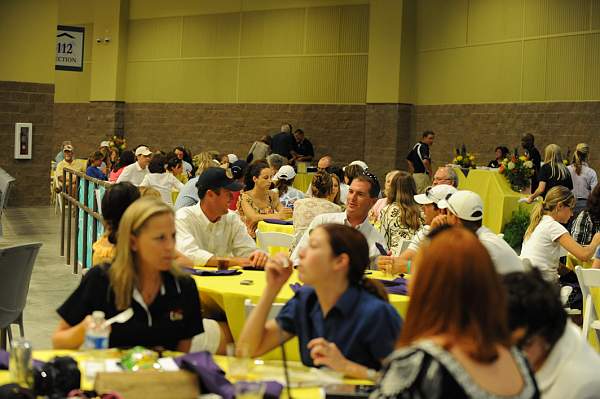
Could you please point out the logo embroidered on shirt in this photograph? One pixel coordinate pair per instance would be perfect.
(176, 315)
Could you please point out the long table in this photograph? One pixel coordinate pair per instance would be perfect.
(221, 361)
(499, 199)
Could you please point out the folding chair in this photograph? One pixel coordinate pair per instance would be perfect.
(588, 278)
(273, 241)
(16, 265)
(273, 312)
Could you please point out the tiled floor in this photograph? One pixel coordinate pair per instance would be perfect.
(52, 280)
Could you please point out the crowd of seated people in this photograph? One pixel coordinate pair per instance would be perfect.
(470, 330)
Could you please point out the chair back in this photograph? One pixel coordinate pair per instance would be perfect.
(6, 183)
(588, 278)
(268, 240)
(16, 265)
(273, 312)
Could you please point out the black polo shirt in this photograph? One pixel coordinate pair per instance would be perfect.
(283, 144)
(174, 315)
(304, 148)
(419, 153)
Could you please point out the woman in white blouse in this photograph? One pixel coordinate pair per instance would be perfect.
(546, 235)
(164, 183)
(584, 178)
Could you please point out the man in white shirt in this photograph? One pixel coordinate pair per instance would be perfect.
(362, 195)
(429, 204)
(136, 172)
(565, 365)
(209, 233)
(465, 208)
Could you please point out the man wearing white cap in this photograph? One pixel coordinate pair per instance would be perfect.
(68, 162)
(465, 208)
(429, 201)
(136, 172)
(283, 179)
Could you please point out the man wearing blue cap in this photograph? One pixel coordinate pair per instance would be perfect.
(211, 235)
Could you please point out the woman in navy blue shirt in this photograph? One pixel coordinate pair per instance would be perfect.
(343, 320)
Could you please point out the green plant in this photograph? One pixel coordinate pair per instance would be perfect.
(515, 229)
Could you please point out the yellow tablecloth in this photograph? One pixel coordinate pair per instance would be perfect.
(45, 355)
(302, 181)
(230, 295)
(499, 200)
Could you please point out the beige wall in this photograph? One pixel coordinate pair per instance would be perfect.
(28, 40)
(492, 51)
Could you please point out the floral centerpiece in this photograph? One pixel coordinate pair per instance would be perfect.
(464, 159)
(118, 142)
(518, 171)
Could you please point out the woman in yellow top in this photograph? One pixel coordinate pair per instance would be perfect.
(114, 203)
(258, 202)
(175, 167)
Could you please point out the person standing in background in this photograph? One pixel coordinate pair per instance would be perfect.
(419, 161)
(283, 142)
(303, 149)
(527, 142)
(584, 178)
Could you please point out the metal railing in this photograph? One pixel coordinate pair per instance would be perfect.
(70, 195)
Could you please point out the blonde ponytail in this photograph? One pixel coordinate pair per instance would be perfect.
(580, 155)
(535, 218)
(555, 196)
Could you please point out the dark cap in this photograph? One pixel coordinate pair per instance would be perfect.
(213, 178)
(238, 168)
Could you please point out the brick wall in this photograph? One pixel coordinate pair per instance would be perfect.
(482, 127)
(87, 124)
(335, 129)
(27, 102)
(381, 134)
(388, 130)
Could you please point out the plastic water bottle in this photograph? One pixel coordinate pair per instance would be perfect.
(96, 336)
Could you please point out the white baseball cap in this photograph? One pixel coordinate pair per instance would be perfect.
(362, 164)
(105, 143)
(286, 172)
(143, 150)
(232, 158)
(467, 205)
(435, 194)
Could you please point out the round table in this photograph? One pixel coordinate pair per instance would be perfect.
(230, 295)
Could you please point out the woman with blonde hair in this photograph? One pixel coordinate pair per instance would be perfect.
(455, 342)
(203, 161)
(382, 202)
(546, 234)
(401, 217)
(552, 173)
(584, 178)
(143, 276)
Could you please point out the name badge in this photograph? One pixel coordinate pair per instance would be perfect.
(176, 315)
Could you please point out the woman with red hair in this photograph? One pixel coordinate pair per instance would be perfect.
(455, 342)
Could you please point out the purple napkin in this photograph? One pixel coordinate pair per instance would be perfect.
(5, 357)
(396, 286)
(295, 287)
(278, 221)
(212, 378)
(198, 272)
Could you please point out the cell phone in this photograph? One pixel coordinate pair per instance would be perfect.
(246, 282)
(381, 249)
(340, 391)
